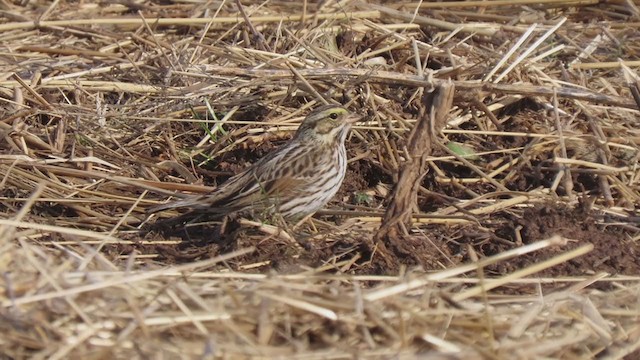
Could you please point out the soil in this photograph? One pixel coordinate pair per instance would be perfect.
(443, 246)
(613, 252)
(434, 247)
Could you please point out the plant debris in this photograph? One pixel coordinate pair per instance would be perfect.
(527, 249)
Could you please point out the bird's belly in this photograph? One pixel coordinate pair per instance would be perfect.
(317, 193)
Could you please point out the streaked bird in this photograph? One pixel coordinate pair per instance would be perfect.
(295, 180)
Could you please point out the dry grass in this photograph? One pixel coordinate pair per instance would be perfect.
(109, 109)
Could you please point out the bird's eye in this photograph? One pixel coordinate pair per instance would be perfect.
(333, 116)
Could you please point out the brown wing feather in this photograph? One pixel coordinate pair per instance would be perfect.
(256, 186)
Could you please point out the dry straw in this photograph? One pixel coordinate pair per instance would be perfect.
(107, 109)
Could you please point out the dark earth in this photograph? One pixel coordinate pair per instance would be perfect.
(434, 247)
(444, 246)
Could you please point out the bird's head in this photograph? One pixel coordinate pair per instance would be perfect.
(327, 124)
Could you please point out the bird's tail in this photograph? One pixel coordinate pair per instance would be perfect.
(192, 202)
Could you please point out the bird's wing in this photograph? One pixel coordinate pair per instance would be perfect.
(266, 179)
(255, 186)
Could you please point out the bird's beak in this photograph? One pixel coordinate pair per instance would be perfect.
(353, 118)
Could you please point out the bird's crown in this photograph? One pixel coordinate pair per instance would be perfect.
(326, 121)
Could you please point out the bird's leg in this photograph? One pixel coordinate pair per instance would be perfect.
(301, 237)
(289, 231)
(273, 231)
(223, 224)
(302, 221)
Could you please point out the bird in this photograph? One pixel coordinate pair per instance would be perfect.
(295, 180)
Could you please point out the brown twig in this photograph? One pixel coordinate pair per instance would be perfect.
(395, 78)
(403, 199)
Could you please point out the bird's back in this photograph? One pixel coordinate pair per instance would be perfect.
(294, 181)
